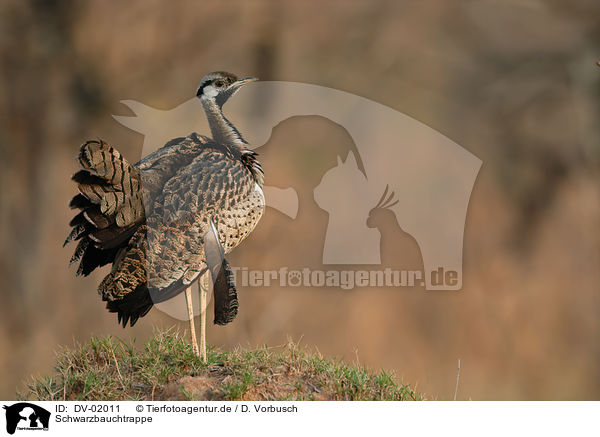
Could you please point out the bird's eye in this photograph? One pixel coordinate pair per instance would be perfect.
(219, 83)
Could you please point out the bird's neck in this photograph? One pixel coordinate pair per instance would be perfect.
(226, 135)
(222, 130)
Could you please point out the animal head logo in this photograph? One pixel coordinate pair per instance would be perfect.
(401, 170)
(26, 416)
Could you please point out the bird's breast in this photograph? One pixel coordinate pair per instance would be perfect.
(236, 223)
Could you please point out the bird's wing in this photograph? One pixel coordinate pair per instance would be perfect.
(224, 291)
(163, 164)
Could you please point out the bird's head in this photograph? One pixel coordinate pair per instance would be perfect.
(220, 86)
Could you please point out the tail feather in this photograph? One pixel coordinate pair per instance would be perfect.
(93, 258)
(133, 306)
(110, 238)
(110, 213)
(84, 177)
(109, 203)
(76, 233)
(79, 251)
(93, 215)
(79, 202)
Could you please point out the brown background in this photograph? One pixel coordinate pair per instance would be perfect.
(514, 82)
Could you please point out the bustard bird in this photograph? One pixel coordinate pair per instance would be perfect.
(169, 219)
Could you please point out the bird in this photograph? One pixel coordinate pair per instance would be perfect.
(169, 219)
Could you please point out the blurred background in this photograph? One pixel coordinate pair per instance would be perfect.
(513, 82)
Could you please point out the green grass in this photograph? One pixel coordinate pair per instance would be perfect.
(165, 368)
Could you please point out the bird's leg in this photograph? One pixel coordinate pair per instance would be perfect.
(204, 284)
(190, 307)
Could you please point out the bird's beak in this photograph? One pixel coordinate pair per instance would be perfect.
(238, 83)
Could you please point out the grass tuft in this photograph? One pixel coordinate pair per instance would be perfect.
(167, 369)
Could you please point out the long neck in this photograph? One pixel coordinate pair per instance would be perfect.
(223, 132)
